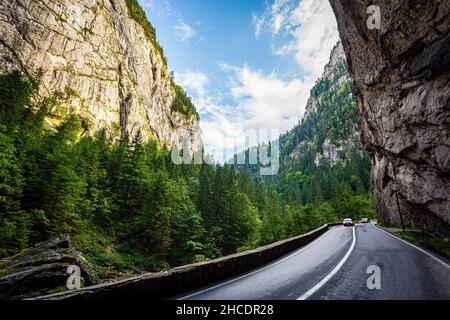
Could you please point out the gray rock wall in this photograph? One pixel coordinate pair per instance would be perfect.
(42, 269)
(94, 48)
(401, 80)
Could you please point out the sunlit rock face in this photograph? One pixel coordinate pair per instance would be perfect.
(95, 51)
(401, 80)
(337, 151)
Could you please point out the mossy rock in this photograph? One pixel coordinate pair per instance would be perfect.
(42, 269)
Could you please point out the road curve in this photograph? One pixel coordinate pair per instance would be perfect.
(334, 266)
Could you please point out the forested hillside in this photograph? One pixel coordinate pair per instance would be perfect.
(124, 203)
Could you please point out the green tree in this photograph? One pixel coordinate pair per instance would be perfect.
(14, 223)
(273, 228)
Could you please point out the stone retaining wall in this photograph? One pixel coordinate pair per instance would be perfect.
(183, 279)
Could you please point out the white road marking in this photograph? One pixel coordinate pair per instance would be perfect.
(311, 291)
(420, 249)
(256, 271)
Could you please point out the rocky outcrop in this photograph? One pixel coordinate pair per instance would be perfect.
(401, 80)
(333, 75)
(42, 269)
(336, 149)
(93, 49)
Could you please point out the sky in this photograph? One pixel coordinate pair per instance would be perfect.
(247, 64)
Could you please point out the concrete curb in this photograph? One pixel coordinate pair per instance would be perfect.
(190, 277)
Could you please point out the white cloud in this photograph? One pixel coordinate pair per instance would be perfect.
(220, 125)
(162, 10)
(183, 31)
(259, 99)
(258, 23)
(194, 80)
(279, 14)
(306, 28)
(315, 33)
(267, 101)
(260, 102)
(147, 4)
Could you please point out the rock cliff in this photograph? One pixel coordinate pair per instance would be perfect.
(330, 123)
(103, 58)
(42, 269)
(333, 82)
(401, 80)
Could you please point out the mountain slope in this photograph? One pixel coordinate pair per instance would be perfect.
(322, 158)
(103, 60)
(328, 128)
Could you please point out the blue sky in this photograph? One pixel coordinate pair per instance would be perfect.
(248, 64)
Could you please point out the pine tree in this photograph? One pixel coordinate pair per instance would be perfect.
(14, 223)
(273, 228)
(187, 226)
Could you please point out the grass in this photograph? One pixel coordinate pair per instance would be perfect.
(434, 244)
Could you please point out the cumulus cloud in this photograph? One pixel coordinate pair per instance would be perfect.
(267, 101)
(306, 29)
(259, 102)
(183, 31)
(194, 80)
(221, 126)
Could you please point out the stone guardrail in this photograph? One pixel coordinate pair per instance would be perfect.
(190, 277)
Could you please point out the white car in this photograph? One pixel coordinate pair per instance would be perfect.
(348, 222)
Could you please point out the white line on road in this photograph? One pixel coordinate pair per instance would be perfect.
(420, 249)
(251, 273)
(311, 291)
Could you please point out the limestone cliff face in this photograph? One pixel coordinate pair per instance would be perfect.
(335, 73)
(401, 80)
(331, 97)
(96, 51)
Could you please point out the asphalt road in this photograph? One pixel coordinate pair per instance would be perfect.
(335, 265)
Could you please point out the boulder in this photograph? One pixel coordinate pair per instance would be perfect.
(42, 269)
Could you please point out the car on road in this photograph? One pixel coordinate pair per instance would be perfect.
(365, 220)
(348, 222)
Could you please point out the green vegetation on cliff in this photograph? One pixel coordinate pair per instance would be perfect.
(182, 102)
